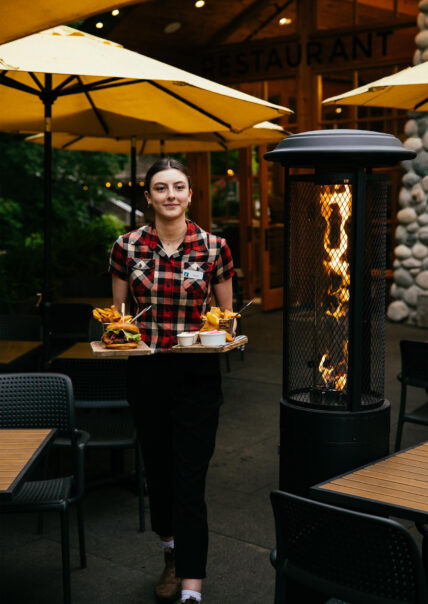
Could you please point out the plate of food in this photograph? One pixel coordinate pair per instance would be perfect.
(120, 336)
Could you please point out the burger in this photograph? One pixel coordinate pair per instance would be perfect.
(121, 335)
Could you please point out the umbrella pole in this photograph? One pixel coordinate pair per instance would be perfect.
(133, 182)
(47, 288)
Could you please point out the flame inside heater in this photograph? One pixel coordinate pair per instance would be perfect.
(336, 210)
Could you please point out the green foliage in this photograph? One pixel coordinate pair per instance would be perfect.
(81, 235)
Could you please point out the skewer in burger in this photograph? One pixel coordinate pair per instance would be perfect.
(121, 336)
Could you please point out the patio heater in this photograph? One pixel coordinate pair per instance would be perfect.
(334, 416)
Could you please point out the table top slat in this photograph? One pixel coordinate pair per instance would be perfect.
(386, 498)
(380, 490)
(410, 486)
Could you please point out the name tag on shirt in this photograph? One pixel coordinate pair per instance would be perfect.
(193, 274)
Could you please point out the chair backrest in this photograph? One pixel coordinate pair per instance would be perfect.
(346, 554)
(36, 400)
(70, 320)
(95, 379)
(20, 327)
(414, 363)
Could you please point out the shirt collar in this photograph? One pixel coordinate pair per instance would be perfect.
(192, 238)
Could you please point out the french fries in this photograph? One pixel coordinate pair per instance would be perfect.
(218, 319)
(109, 315)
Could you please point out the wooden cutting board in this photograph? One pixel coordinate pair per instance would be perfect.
(237, 342)
(99, 350)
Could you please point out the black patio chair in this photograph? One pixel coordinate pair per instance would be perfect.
(332, 552)
(414, 372)
(20, 327)
(102, 410)
(45, 400)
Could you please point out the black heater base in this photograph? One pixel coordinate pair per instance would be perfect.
(316, 445)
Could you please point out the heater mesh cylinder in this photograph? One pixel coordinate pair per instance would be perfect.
(322, 298)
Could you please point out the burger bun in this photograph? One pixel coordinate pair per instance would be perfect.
(123, 325)
(124, 346)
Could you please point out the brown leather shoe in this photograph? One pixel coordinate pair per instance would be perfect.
(168, 588)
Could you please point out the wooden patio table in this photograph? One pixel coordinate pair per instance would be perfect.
(19, 451)
(12, 351)
(79, 350)
(396, 485)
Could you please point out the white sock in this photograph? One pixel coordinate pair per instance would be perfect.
(189, 593)
(167, 544)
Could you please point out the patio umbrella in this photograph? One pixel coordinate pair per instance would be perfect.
(89, 79)
(26, 17)
(406, 89)
(165, 143)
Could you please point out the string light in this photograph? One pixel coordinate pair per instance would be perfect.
(99, 25)
(85, 187)
(338, 109)
(130, 183)
(199, 3)
(119, 185)
(285, 21)
(230, 172)
(108, 185)
(115, 12)
(141, 183)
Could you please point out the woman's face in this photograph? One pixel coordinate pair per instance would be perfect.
(169, 194)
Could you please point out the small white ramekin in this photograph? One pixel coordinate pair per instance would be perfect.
(187, 338)
(212, 338)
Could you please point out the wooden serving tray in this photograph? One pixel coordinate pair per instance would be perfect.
(237, 342)
(99, 350)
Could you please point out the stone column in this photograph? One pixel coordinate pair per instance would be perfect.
(410, 287)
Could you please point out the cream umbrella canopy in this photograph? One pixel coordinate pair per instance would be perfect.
(26, 17)
(165, 143)
(89, 80)
(406, 89)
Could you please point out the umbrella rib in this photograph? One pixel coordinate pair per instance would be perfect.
(64, 83)
(36, 80)
(11, 83)
(94, 108)
(143, 146)
(75, 140)
(99, 85)
(420, 104)
(189, 104)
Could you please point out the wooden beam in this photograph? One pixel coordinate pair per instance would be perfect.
(236, 23)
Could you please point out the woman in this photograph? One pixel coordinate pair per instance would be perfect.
(174, 265)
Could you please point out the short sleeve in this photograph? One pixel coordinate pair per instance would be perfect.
(117, 265)
(223, 267)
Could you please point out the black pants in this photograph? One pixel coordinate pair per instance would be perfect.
(175, 400)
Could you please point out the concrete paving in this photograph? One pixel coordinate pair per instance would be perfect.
(123, 565)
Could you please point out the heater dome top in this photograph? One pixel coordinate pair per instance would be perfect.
(343, 147)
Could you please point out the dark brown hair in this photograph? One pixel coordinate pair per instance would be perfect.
(165, 163)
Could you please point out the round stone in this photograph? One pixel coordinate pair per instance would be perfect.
(397, 311)
(425, 141)
(417, 57)
(413, 317)
(423, 6)
(423, 235)
(417, 194)
(400, 234)
(411, 263)
(411, 128)
(407, 165)
(424, 183)
(424, 55)
(404, 197)
(420, 208)
(411, 295)
(413, 227)
(422, 280)
(423, 219)
(406, 215)
(396, 263)
(420, 163)
(402, 252)
(421, 40)
(419, 250)
(414, 271)
(412, 238)
(421, 121)
(403, 278)
(421, 21)
(396, 292)
(414, 143)
(410, 179)
(424, 266)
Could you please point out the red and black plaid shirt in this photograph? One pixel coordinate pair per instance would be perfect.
(158, 279)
